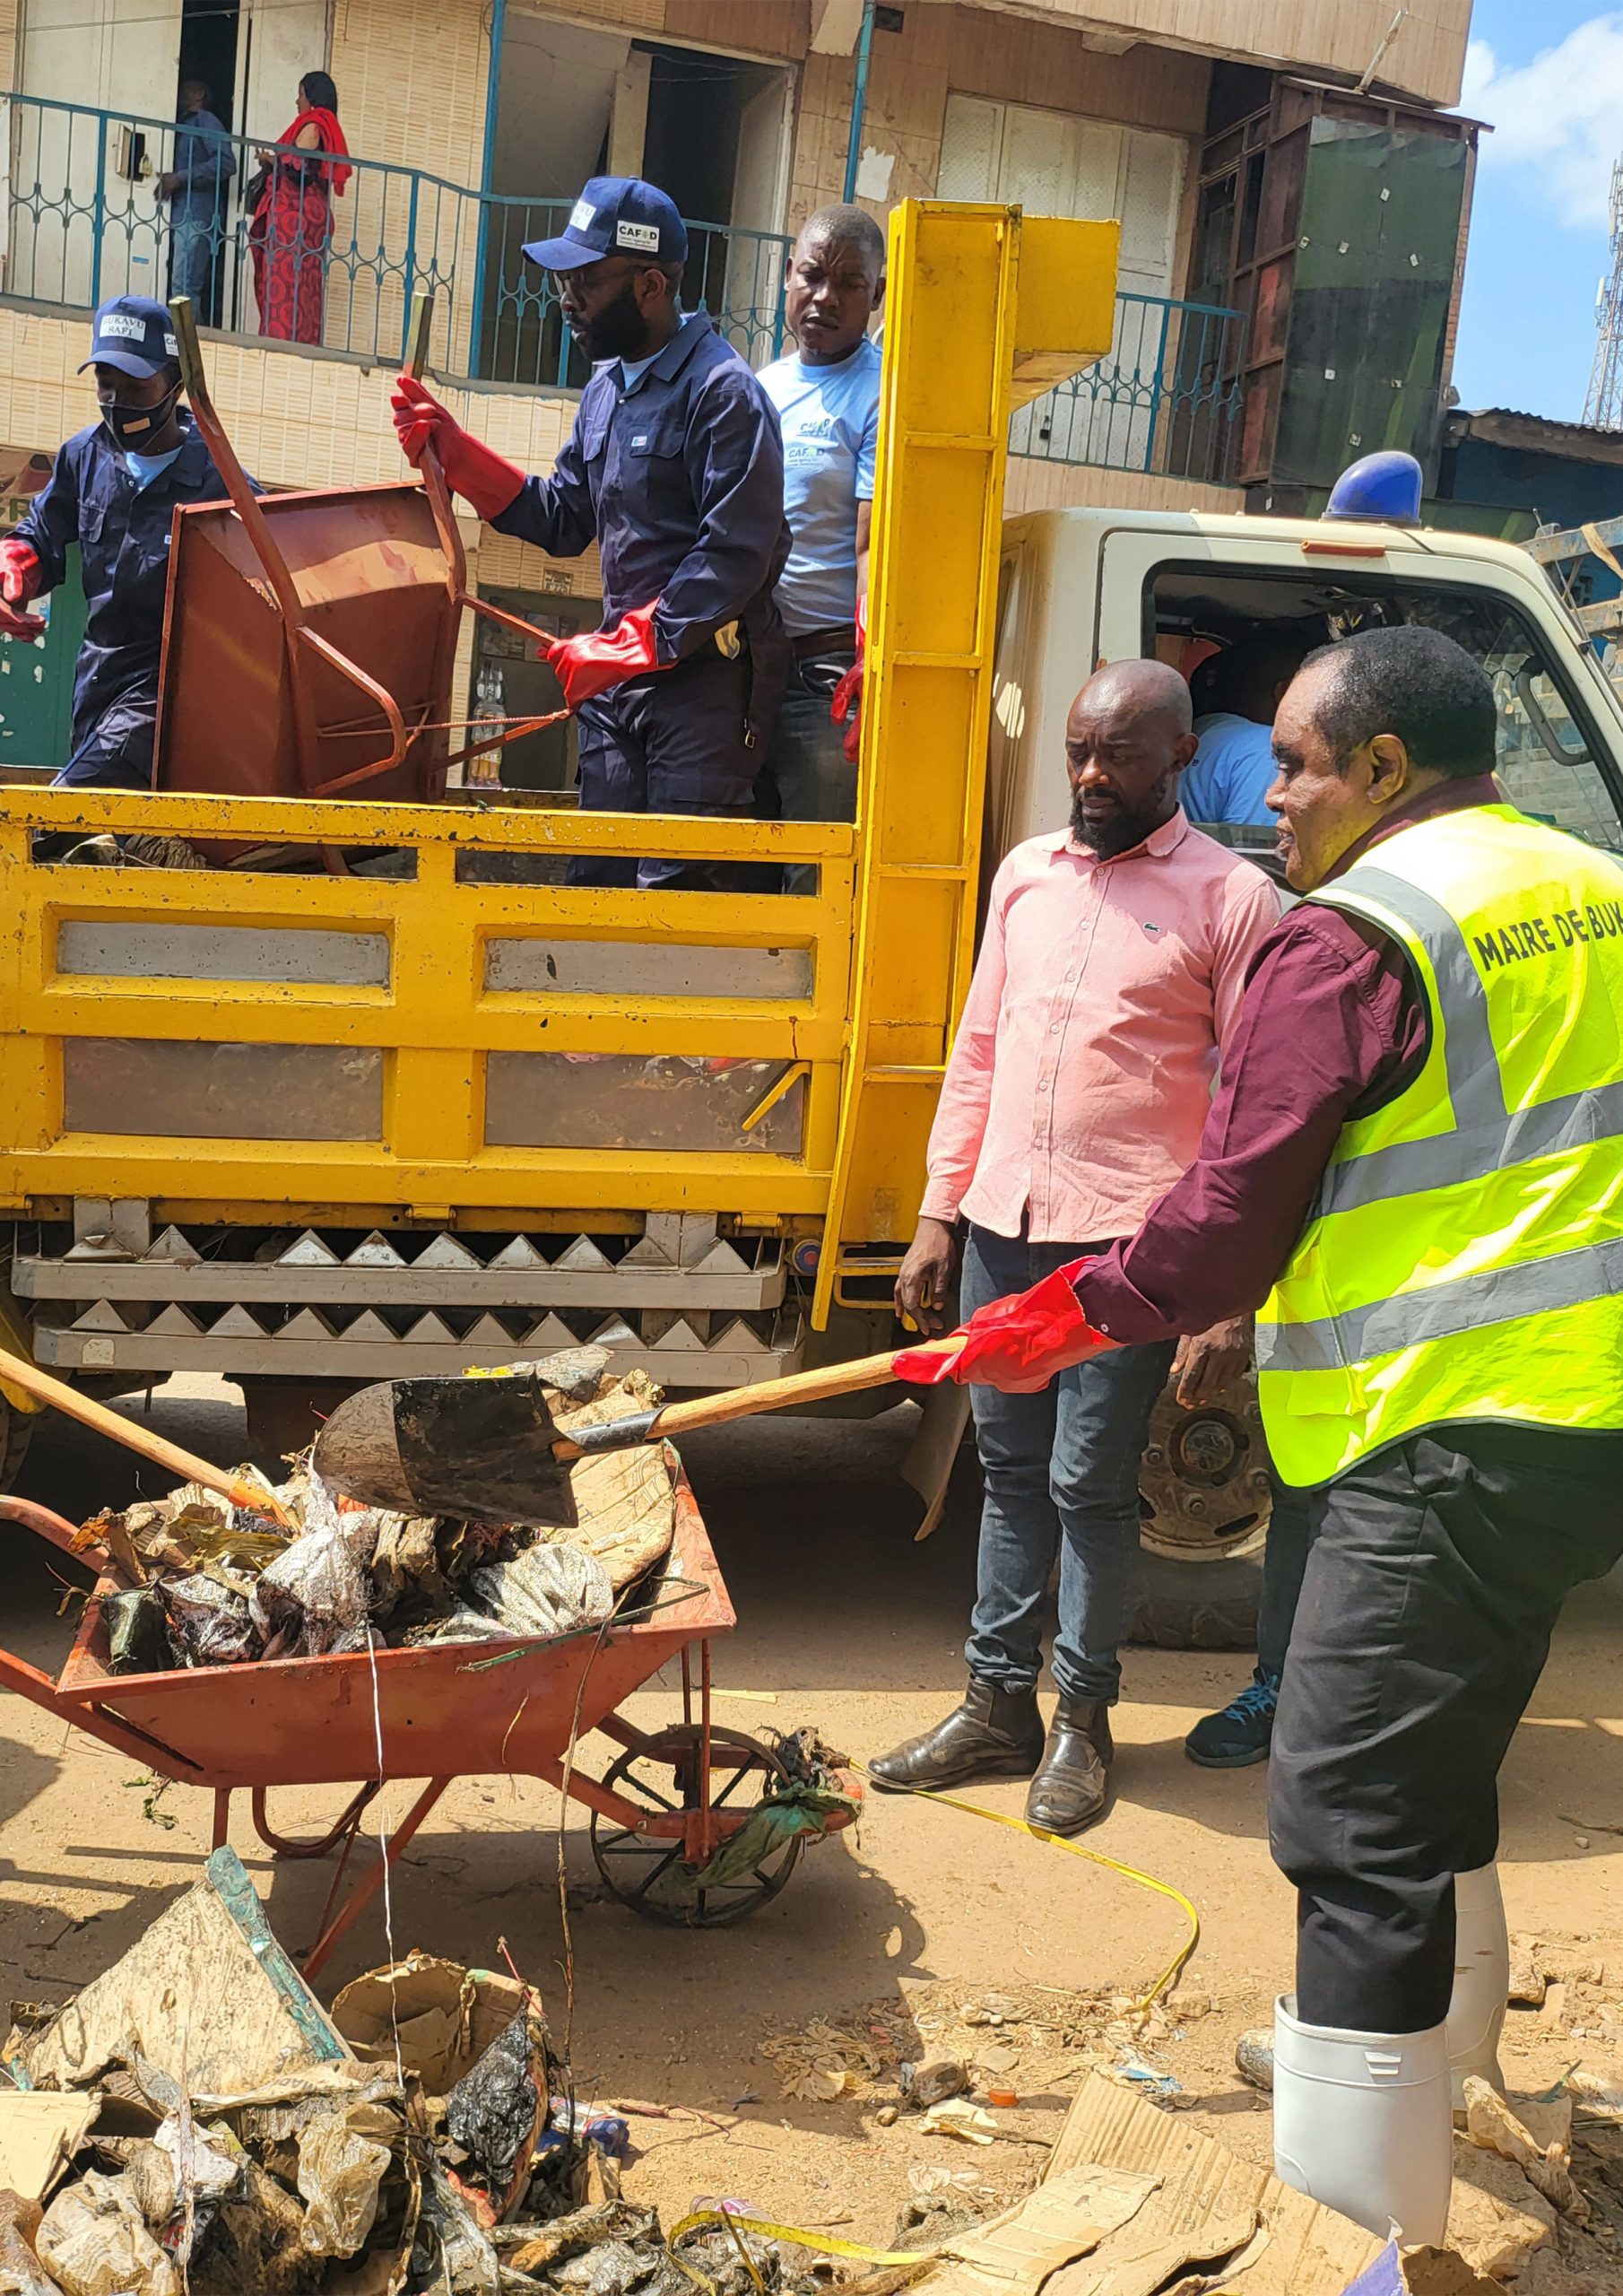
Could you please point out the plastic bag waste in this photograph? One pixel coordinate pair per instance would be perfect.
(312, 1600)
(93, 2242)
(341, 2165)
(20, 2273)
(451, 2246)
(496, 2112)
(135, 1639)
(551, 1588)
(208, 1623)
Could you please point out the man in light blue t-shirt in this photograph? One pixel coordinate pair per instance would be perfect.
(827, 396)
(1236, 694)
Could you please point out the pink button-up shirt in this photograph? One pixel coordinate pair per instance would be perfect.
(1103, 996)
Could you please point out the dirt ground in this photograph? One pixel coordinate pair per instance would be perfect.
(924, 1930)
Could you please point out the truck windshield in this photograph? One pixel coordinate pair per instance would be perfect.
(1550, 753)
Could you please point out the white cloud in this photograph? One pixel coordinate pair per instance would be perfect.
(1559, 120)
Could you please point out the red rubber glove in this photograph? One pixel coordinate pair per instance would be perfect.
(599, 658)
(18, 582)
(1018, 1343)
(472, 469)
(846, 700)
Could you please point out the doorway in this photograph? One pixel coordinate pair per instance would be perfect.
(710, 130)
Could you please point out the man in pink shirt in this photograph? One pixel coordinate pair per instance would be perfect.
(1107, 985)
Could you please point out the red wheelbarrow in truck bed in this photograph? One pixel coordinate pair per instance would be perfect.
(445, 1711)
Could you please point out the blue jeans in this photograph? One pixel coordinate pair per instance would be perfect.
(809, 778)
(1061, 1480)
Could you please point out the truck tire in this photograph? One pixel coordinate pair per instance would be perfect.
(1199, 1605)
(1205, 1500)
(15, 1427)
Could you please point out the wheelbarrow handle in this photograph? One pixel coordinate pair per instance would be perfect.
(163, 1453)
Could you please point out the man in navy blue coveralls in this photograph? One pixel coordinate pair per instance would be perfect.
(675, 469)
(113, 491)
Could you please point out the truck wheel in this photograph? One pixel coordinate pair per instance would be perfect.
(15, 1427)
(1205, 1500)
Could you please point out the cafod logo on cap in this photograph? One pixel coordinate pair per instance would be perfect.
(126, 325)
(642, 237)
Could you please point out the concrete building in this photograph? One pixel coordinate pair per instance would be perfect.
(1266, 157)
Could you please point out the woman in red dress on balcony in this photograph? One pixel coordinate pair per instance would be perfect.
(292, 217)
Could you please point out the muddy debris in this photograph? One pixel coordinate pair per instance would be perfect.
(208, 1584)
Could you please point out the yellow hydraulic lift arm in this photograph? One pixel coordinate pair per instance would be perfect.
(986, 309)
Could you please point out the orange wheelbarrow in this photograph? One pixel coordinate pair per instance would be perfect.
(446, 1710)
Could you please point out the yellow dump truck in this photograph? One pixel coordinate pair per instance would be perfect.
(307, 1130)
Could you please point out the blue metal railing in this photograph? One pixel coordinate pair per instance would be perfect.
(1167, 398)
(87, 219)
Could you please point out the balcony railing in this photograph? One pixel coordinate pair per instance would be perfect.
(86, 220)
(1167, 399)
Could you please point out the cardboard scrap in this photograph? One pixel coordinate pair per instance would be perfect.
(40, 2133)
(1065, 2217)
(444, 2016)
(207, 1996)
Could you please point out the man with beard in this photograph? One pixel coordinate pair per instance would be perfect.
(675, 469)
(1107, 985)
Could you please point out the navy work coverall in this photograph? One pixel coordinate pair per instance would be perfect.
(679, 479)
(123, 533)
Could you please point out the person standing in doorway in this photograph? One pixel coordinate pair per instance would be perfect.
(291, 204)
(827, 396)
(1106, 992)
(196, 188)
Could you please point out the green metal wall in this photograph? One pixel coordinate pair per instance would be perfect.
(1374, 279)
(37, 681)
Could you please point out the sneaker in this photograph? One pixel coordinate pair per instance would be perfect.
(1242, 1733)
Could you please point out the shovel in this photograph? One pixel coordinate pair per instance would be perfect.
(488, 1448)
(255, 1497)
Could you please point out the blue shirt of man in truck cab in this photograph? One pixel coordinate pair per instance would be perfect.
(1236, 693)
(113, 491)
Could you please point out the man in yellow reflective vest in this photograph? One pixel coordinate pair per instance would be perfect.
(1413, 1170)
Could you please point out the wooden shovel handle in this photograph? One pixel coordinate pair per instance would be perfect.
(136, 1438)
(800, 1387)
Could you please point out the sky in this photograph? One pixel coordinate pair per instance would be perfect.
(1549, 75)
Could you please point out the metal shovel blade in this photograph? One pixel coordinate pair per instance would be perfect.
(469, 1448)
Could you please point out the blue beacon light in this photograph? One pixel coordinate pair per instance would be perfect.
(1383, 489)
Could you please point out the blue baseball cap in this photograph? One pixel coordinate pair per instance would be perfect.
(134, 333)
(615, 215)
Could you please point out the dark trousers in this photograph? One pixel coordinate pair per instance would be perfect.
(688, 741)
(1438, 1570)
(117, 751)
(1284, 1561)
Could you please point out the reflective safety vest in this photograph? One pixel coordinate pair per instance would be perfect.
(1463, 1257)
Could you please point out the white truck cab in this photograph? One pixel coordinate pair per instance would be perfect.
(1083, 587)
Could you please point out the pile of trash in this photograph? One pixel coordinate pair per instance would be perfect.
(208, 1584)
(195, 2121)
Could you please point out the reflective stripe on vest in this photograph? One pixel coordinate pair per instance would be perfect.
(1480, 1198)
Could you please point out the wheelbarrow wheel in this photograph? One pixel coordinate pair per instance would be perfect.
(648, 1873)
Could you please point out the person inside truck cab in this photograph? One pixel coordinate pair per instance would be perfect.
(1236, 693)
(113, 491)
(675, 469)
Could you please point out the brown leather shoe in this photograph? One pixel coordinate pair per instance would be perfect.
(1072, 1785)
(995, 1733)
